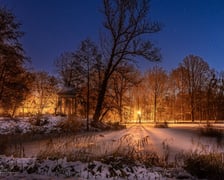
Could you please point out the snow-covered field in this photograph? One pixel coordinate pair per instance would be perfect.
(168, 143)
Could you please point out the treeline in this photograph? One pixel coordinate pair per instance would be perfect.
(192, 91)
(103, 76)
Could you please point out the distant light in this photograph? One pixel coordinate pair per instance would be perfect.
(139, 113)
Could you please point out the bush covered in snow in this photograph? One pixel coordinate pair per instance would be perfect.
(34, 124)
(61, 168)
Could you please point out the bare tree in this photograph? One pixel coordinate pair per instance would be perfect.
(180, 92)
(157, 83)
(126, 22)
(44, 91)
(69, 69)
(195, 71)
(122, 80)
(219, 98)
(82, 70)
(89, 58)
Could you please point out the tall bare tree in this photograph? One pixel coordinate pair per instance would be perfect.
(81, 70)
(157, 83)
(89, 58)
(195, 71)
(179, 92)
(126, 22)
(122, 80)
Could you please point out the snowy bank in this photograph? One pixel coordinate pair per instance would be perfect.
(26, 168)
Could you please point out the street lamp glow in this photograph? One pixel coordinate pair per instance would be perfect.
(139, 116)
(139, 113)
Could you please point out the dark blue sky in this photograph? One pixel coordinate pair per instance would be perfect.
(54, 26)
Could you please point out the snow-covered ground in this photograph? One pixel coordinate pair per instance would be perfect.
(159, 140)
(166, 142)
(24, 125)
(30, 168)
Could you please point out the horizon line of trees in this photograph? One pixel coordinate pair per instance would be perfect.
(192, 91)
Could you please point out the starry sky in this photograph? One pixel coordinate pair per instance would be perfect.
(54, 26)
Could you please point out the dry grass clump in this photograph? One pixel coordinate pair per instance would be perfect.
(88, 148)
(11, 147)
(3, 144)
(209, 166)
(210, 131)
(116, 125)
(74, 148)
(70, 125)
(161, 124)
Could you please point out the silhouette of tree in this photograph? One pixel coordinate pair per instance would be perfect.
(14, 78)
(196, 75)
(81, 70)
(156, 78)
(89, 57)
(44, 91)
(69, 69)
(125, 23)
(123, 79)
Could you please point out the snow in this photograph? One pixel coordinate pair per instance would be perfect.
(24, 125)
(166, 142)
(24, 168)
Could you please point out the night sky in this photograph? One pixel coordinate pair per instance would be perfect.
(55, 26)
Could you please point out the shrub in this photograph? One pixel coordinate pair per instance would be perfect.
(116, 125)
(210, 166)
(11, 146)
(38, 120)
(3, 144)
(70, 125)
(161, 124)
(123, 151)
(210, 131)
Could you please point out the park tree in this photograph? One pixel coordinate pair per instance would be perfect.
(14, 77)
(124, 78)
(82, 70)
(69, 70)
(90, 62)
(71, 79)
(125, 23)
(178, 89)
(44, 91)
(156, 79)
(219, 98)
(195, 72)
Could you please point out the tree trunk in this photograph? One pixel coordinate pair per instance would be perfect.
(100, 100)
(192, 108)
(155, 108)
(88, 96)
(121, 105)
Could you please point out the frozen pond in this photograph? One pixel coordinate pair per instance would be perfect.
(164, 141)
